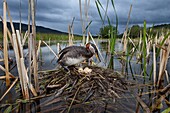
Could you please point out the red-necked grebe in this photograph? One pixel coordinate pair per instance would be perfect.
(73, 55)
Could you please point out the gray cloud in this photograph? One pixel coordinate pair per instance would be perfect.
(58, 14)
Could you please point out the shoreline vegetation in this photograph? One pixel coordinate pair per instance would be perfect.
(44, 33)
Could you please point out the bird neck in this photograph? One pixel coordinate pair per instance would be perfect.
(88, 53)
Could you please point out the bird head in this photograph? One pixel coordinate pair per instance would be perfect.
(93, 49)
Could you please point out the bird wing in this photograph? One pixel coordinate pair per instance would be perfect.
(66, 49)
(71, 51)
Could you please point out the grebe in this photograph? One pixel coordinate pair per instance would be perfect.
(73, 55)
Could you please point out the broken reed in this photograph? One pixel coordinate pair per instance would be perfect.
(17, 42)
(71, 32)
(164, 55)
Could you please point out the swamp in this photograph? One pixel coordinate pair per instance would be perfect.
(132, 76)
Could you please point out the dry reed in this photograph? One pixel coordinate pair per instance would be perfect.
(154, 65)
(35, 64)
(163, 60)
(50, 49)
(16, 79)
(82, 22)
(5, 42)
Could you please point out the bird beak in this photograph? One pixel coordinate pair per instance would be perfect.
(98, 57)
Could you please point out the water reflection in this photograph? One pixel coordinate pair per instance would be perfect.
(47, 59)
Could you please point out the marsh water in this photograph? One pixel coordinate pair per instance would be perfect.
(47, 61)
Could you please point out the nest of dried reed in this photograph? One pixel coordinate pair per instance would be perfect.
(84, 89)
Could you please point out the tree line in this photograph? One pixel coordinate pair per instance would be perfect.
(134, 31)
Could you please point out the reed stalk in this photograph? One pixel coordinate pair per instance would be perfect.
(167, 76)
(39, 47)
(86, 8)
(30, 56)
(154, 65)
(124, 38)
(25, 38)
(29, 43)
(35, 64)
(69, 36)
(68, 111)
(58, 48)
(20, 47)
(3, 77)
(163, 61)
(162, 40)
(21, 63)
(12, 26)
(108, 46)
(10, 74)
(144, 49)
(20, 15)
(29, 14)
(50, 48)
(16, 79)
(143, 105)
(26, 79)
(16, 51)
(96, 46)
(8, 32)
(72, 34)
(82, 22)
(72, 30)
(5, 43)
(126, 50)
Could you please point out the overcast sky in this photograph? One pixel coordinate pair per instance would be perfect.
(58, 14)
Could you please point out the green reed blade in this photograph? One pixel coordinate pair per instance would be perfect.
(113, 38)
(108, 20)
(115, 14)
(97, 5)
(87, 26)
(8, 109)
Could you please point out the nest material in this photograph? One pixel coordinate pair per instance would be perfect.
(94, 85)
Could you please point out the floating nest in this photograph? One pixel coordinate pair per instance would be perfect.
(82, 89)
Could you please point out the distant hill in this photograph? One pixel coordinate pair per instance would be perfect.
(165, 26)
(39, 29)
